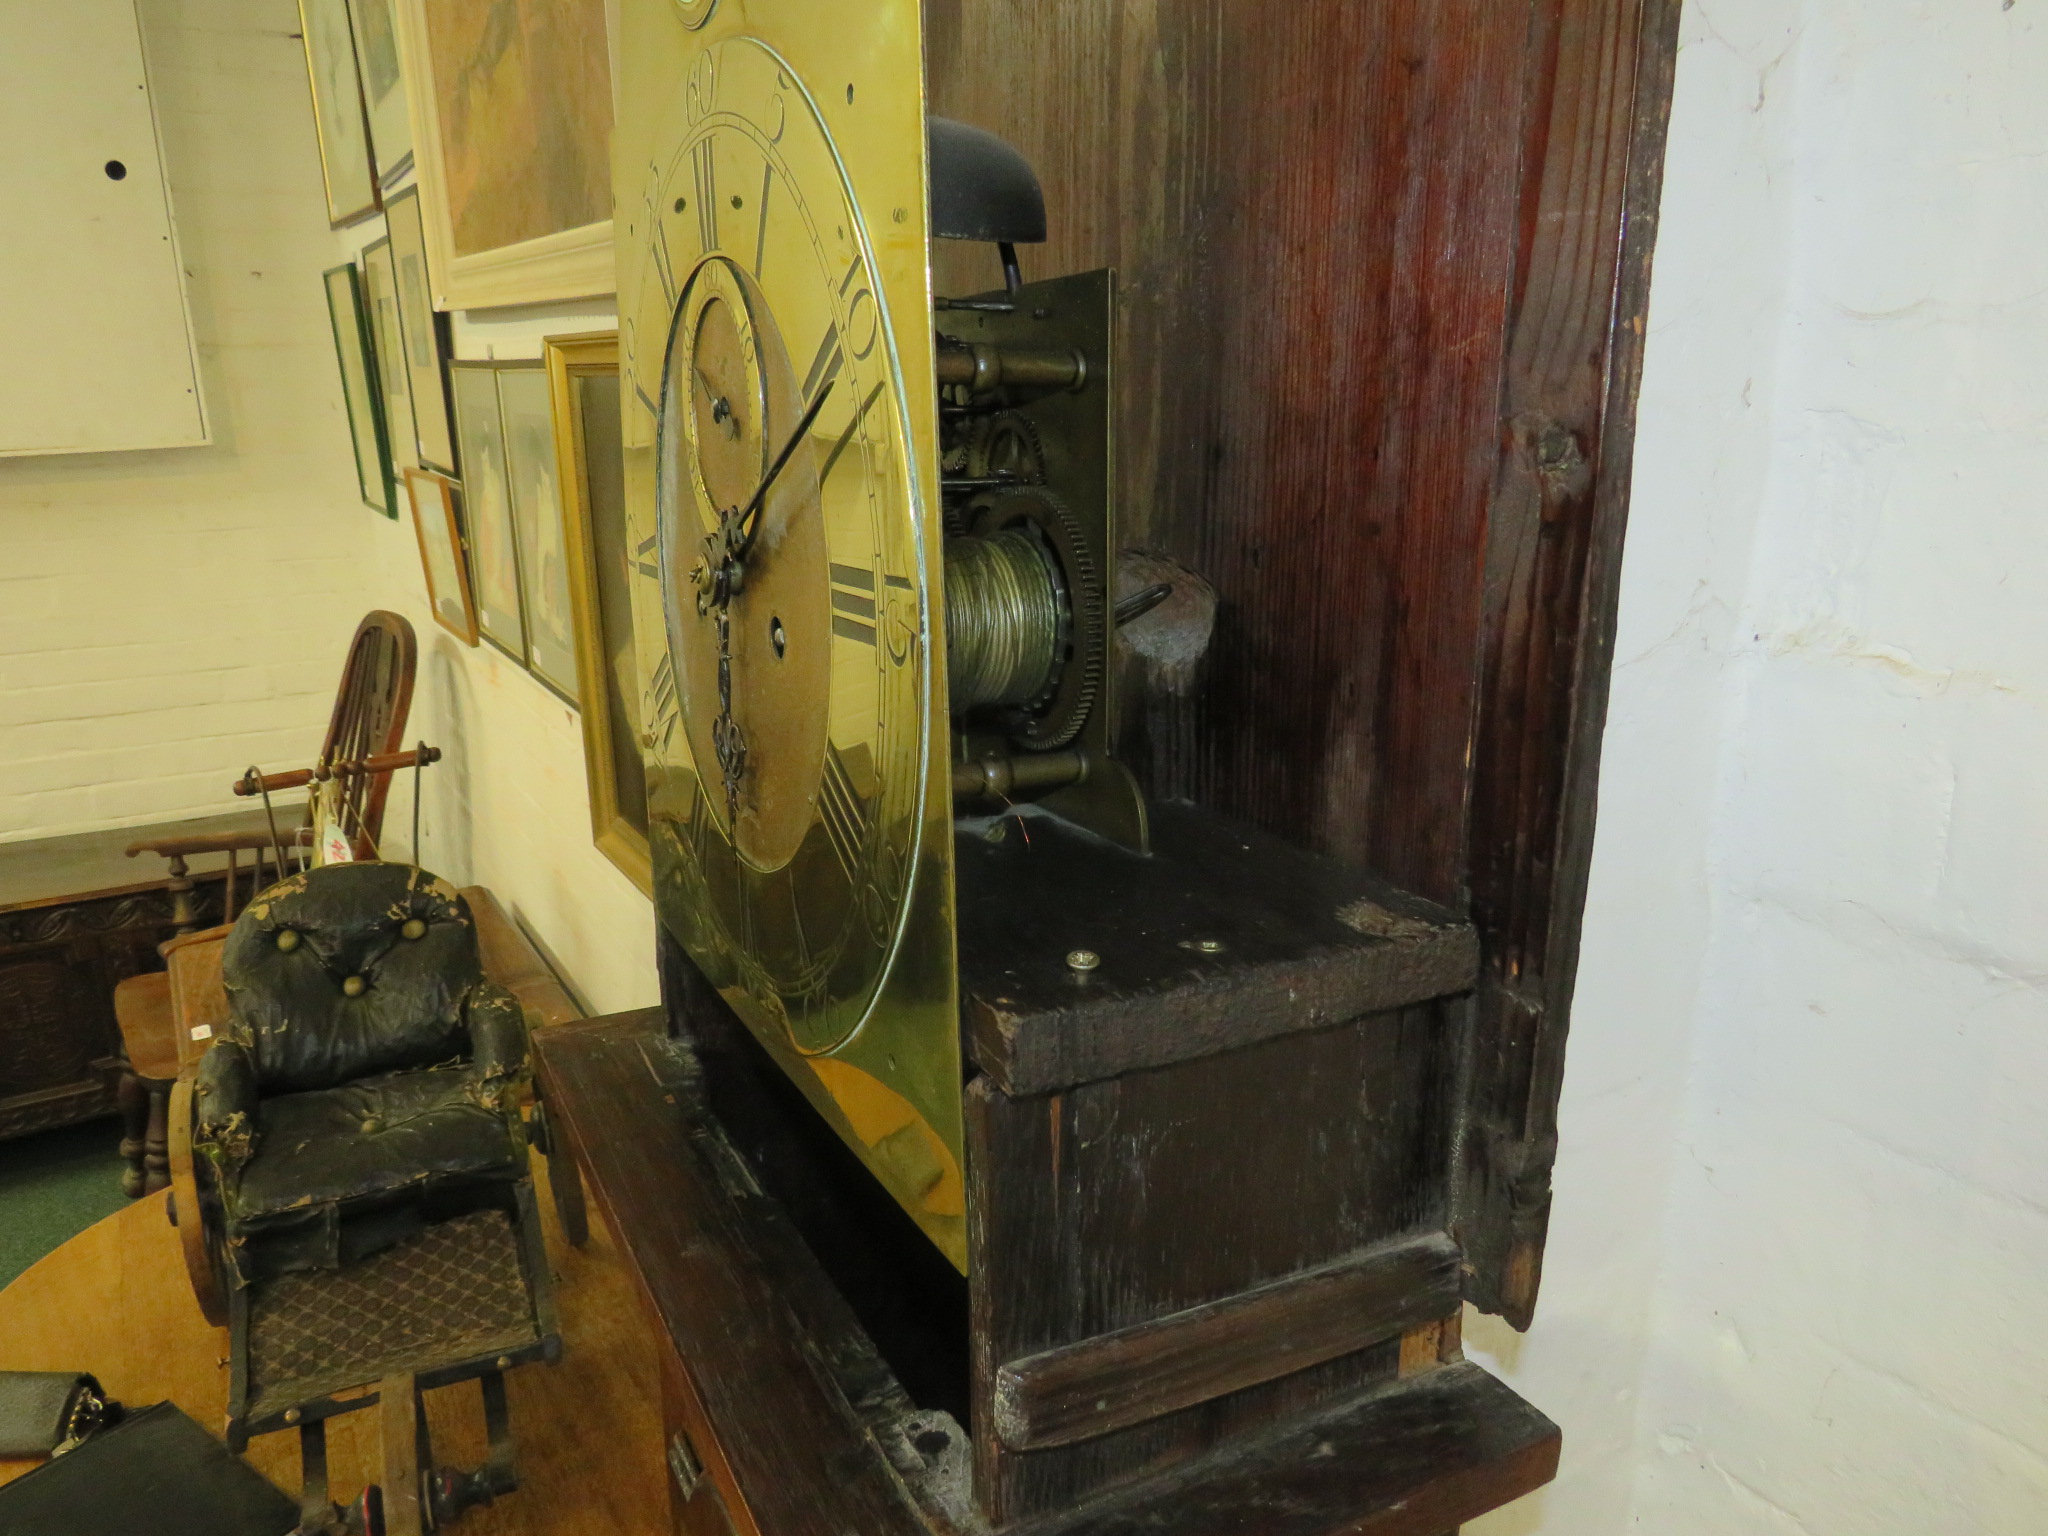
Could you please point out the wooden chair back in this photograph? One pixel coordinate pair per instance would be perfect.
(370, 710)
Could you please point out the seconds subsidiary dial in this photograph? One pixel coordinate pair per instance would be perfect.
(789, 556)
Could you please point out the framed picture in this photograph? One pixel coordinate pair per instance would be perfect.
(512, 113)
(359, 386)
(425, 335)
(583, 381)
(376, 35)
(439, 529)
(537, 525)
(387, 343)
(487, 500)
(338, 118)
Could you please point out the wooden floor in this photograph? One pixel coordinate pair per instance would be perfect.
(114, 1301)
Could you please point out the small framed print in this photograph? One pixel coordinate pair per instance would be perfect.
(439, 529)
(376, 35)
(487, 501)
(338, 118)
(425, 335)
(583, 377)
(359, 386)
(537, 524)
(380, 301)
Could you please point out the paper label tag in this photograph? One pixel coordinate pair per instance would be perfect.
(202, 1031)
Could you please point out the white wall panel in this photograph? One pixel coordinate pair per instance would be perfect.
(96, 339)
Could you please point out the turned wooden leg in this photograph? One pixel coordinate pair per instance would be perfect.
(156, 1146)
(133, 1100)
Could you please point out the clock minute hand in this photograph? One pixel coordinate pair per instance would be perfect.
(751, 513)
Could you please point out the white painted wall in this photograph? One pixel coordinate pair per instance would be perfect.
(509, 805)
(168, 618)
(1796, 1278)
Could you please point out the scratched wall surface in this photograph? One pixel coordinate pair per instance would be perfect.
(1793, 1281)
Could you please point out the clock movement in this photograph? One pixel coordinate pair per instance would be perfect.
(1112, 1015)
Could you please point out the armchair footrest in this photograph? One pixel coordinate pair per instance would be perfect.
(454, 1295)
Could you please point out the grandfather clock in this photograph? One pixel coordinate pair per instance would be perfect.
(1128, 499)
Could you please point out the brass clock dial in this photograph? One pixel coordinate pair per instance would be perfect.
(791, 605)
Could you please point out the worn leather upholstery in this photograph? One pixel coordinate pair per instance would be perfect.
(369, 1078)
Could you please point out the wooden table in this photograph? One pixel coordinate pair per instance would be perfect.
(114, 1301)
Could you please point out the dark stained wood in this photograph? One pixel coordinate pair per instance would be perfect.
(1123, 1378)
(1595, 111)
(77, 919)
(771, 1365)
(1413, 1458)
(1300, 943)
(1311, 210)
(1126, 1201)
(1382, 274)
(779, 1398)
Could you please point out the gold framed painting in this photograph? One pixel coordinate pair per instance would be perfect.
(439, 529)
(487, 502)
(338, 118)
(583, 380)
(376, 35)
(512, 115)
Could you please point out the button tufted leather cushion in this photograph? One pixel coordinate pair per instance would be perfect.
(370, 1139)
(324, 984)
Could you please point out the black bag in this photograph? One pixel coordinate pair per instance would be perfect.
(155, 1474)
(43, 1411)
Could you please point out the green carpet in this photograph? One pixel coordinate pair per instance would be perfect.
(53, 1186)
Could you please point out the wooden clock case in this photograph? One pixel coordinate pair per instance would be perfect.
(1384, 271)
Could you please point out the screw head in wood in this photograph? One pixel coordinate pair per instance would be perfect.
(1082, 960)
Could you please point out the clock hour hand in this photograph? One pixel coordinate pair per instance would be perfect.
(721, 570)
(716, 585)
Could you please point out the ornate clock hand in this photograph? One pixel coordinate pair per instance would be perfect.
(721, 571)
(721, 408)
(716, 590)
(760, 496)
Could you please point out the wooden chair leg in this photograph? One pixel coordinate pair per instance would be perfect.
(156, 1145)
(567, 1185)
(398, 1421)
(133, 1099)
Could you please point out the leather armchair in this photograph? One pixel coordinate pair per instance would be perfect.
(370, 1078)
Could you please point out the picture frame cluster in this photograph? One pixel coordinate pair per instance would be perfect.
(509, 468)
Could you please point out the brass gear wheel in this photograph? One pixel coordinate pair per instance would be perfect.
(1006, 444)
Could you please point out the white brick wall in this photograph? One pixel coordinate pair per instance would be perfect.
(168, 618)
